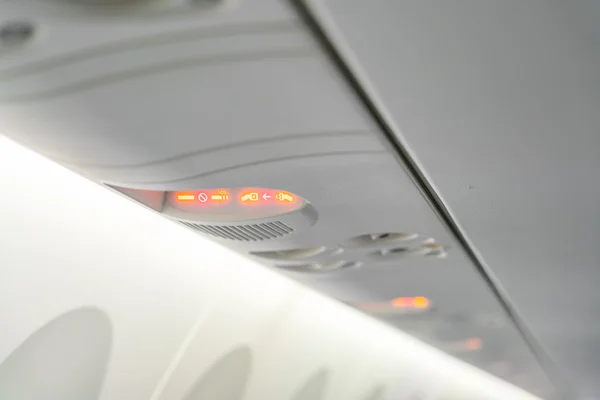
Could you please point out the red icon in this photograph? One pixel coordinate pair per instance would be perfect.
(202, 197)
(266, 196)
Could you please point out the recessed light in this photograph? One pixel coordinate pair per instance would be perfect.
(418, 302)
(467, 345)
(398, 305)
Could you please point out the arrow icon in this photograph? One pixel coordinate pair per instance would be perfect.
(266, 196)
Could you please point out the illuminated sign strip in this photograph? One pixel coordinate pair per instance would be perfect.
(246, 196)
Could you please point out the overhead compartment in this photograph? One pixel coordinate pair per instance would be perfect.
(169, 110)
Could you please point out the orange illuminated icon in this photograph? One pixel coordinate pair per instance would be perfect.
(202, 197)
(410, 302)
(421, 302)
(470, 344)
(473, 344)
(284, 196)
(401, 302)
(186, 197)
(221, 195)
(253, 196)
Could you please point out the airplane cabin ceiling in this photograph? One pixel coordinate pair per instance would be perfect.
(438, 157)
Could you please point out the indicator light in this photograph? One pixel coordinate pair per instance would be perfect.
(234, 200)
(253, 196)
(401, 302)
(419, 302)
(473, 344)
(202, 197)
(284, 197)
(186, 197)
(467, 345)
(221, 195)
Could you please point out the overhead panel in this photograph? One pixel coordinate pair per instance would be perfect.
(233, 121)
(498, 103)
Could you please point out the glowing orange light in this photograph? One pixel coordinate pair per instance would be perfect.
(420, 302)
(473, 344)
(221, 195)
(266, 196)
(410, 302)
(401, 302)
(186, 197)
(285, 196)
(252, 196)
(202, 197)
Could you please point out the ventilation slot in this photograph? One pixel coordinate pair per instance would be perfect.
(247, 233)
(317, 267)
(375, 240)
(291, 254)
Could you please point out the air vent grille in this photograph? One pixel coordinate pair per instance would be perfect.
(246, 233)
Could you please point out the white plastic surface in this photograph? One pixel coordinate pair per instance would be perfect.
(177, 303)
